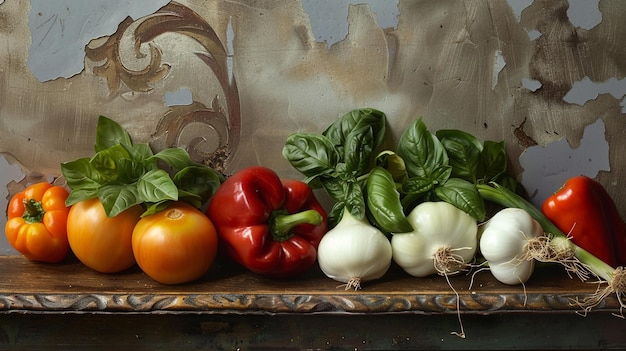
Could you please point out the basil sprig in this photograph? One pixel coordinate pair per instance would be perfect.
(445, 166)
(448, 165)
(123, 174)
(340, 159)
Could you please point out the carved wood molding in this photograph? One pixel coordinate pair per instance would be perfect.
(70, 287)
(483, 303)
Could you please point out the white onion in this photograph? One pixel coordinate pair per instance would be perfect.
(504, 243)
(354, 251)
(444, 240)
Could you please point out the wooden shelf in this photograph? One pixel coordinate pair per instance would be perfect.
(29, 287)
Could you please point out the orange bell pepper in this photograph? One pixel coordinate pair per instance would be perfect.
(37, 222)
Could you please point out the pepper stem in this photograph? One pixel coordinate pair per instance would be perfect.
(33, 211)
(281, 224)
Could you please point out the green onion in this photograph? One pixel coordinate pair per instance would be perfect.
(504, 197)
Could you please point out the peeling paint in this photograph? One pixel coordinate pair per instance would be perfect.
(518, 6)
(531, 84)
(584, 13)
(547, 168)
(60, 30)
(585, 90)
(178, 98)
(10, 173)
(498, 66)
(329, 17)
(533, 34)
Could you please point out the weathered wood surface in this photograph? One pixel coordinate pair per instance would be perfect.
(71, 287)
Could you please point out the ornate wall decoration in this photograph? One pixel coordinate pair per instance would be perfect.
(188, 126)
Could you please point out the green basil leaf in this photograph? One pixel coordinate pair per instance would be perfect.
(155, 186)
(110, 133)
(394, 164)
(421, 151)
(358, 150)
(494, 160)
(420, 185)
(140, 152)
(311, 154)
(79, 174)
(464, 153)
(371, 118)
(354, 199)
(129, 171)
(417, 185)
(198, 180)
(383, 202)
(464, 195)
(155, 207)
(441, 174)
(191, 198)
(334, 187)
(81, 194)
(374, 120)
(117, 198)
(335, 214)
(176, 157)
(107, 162)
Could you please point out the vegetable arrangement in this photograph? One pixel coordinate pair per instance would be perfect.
(423, 205)
(407, 192)
(339, 161)
(126, 208)
(378, 187)
(432, 176)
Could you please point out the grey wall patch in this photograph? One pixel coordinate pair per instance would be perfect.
(547, 168)
(584, 13)
(585, 90)
(518, 6)
(531, 84)
(177, 98)
(60, 30)
(9, 174)
(329, 17)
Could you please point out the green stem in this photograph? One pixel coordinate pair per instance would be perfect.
(363, 177)
(507, 198)
(281, 224)
(33, 211)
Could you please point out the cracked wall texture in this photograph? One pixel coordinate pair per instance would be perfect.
(230, 80)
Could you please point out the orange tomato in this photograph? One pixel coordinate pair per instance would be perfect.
(36, 222)
(102, 243)
(176, 245)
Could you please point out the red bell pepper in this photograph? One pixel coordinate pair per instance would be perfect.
(270, 226)
(584, 209)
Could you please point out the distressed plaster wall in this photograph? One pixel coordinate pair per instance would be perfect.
(545, 76)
